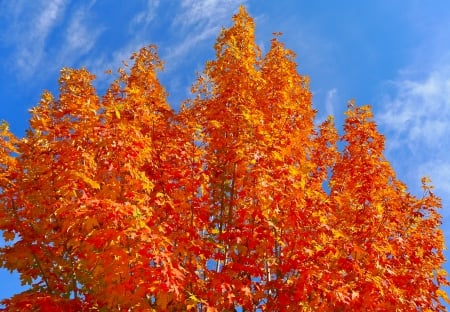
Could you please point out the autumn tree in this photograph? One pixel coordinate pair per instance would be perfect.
(389, 240)
(97, 193)
(238, 200)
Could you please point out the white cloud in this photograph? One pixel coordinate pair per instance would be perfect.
(418, 114)
(44, 38)
(177, 51)
(193, 23)
(327, 102)
(205, 13)
(32, 25)
(45, 21)
(79, 38)
(143, 19)
(138, 28)
(197, 22)
(330, 101)
(416, 119)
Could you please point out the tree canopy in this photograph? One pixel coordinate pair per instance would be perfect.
(236, 201)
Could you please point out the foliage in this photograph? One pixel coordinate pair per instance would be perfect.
(238, 200)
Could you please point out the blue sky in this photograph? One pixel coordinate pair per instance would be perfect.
(394, 55)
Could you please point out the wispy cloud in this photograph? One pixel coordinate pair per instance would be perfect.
(138, 26)
(198, 21)
(416, 118)
(80, 36)
(32, 24)
(38, 27)
(144, 17)
(179, 50)
(418, 114)
(204, 13)
(330, 101)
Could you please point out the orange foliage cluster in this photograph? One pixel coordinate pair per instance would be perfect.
(238, 200)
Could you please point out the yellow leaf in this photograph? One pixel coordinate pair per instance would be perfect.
(293, 171)
(86, 179)
(443, 295)
(378, 282)
(277, 156)
(337, 234)
(215, 124)
(247, 115)
(379, 208)
(299, 184)
(134, 90)
(194, 298)
(116, 111)
(159, 195)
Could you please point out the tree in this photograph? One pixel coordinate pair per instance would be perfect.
(380, 257)
(237, 200)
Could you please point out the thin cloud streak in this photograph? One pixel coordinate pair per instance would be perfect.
(330, 101)
(80, 37)
(178, 51)
(32, 25)
(419, 112)
(145, 17)
(204, 13)
(417, 120)
(138, 27)
(197, 22)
